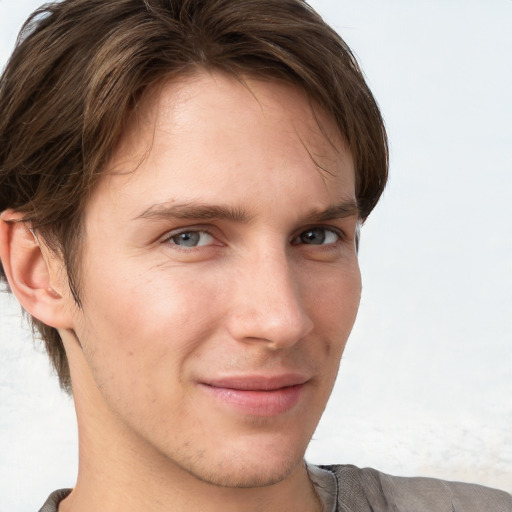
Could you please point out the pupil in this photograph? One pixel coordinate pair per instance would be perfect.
(313, 236)
(188, 239)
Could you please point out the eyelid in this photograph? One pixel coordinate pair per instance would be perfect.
(189, 229)
(334, 229)
(185, 229)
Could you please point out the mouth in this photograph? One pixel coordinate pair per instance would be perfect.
(258, 395)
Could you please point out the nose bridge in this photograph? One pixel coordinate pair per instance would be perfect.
(270, 304)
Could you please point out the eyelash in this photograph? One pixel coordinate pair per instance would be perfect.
(296, 240)
(175, 234)
(340, 235)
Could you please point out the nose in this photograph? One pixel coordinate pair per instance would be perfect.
(268, 304)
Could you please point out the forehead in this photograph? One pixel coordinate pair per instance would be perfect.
(212, 132)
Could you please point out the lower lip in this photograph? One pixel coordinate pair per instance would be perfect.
(258, 403)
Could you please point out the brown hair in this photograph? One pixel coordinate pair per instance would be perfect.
(81, 65)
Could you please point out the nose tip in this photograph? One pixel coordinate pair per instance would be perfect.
(270, 308)
(279, 328)
(282, 330)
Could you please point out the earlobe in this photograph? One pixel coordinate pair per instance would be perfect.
(32, 271)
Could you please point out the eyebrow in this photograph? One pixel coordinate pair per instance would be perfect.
(199, 211)
(194, 211)
(348, 208)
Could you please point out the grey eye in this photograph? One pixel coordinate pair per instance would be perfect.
(318, 236)
(191, 239)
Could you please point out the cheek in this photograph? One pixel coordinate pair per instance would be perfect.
(146, 326)
(334, 297)
(332, 305)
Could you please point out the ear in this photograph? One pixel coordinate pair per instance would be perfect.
(35, 274)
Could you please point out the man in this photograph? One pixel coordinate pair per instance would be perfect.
(182, 184)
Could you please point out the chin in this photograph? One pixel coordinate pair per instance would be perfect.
(236, 469)
(244, 477)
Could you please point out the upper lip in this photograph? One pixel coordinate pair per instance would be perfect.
(257, 382)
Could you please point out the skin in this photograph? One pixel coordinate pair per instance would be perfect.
(219, 247)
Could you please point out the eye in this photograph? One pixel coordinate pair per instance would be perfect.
(317, 236)
(191, 239)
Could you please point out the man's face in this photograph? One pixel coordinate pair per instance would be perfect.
(219, 279)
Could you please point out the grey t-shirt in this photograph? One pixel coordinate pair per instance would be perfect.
(369, 490)
(350, 489)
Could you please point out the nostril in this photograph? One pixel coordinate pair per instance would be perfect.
(278, 328)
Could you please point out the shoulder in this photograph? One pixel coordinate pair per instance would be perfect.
(367, 489)
(52, 503)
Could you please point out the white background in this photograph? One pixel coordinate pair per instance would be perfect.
(426, 381)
